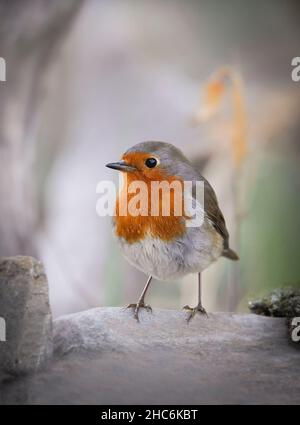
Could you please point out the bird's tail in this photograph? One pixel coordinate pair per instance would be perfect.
(229, 253)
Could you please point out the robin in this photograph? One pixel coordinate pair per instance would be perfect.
(165, 246)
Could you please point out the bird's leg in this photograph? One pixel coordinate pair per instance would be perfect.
(199, 308)
(141, 301)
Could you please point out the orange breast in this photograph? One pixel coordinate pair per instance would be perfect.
(136, 228)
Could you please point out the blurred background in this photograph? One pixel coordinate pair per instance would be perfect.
(87, 79)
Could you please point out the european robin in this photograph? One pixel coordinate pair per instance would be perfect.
(162, 245)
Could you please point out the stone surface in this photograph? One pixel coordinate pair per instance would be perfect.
(103, 356)
(24, 305)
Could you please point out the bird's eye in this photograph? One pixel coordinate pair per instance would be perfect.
(151, 162)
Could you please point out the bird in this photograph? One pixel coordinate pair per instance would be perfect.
(162, 246)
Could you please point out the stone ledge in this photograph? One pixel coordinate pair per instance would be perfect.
(114, 328)
(103, 356)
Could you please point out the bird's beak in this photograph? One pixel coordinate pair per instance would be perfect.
(121, 166)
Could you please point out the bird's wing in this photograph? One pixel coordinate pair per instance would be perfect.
(213, 212)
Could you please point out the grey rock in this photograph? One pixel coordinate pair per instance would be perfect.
(24, 305)
(103, 356)
(115, 329)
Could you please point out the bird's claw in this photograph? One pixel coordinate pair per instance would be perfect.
(136, 307)
(194, 311)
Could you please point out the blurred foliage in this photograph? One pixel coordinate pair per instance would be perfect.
(270, 232)
(227, 78)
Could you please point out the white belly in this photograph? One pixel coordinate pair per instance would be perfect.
(192, 253)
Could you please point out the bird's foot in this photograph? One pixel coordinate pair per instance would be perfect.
(193, 311)
(136, 307)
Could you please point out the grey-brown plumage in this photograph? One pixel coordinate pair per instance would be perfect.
(214, 213)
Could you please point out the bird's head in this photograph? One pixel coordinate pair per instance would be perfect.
(152, 161)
